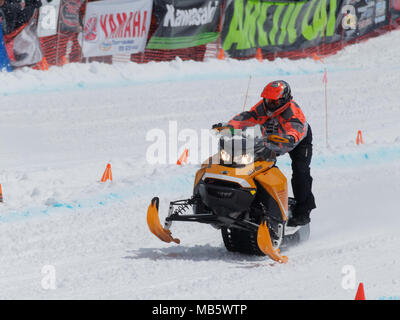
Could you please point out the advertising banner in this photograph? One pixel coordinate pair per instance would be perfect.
(360, 17)
(115, 27)
(395, 9)
(48, 18)
(185, 23)
(70, 15)
(278, 26)
(24, 49)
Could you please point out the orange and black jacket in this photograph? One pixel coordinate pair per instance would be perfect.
(288, 120)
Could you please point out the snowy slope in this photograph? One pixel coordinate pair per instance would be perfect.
(59, 129)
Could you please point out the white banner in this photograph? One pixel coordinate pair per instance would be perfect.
(26, 46)
(116, 27)
(48, 18)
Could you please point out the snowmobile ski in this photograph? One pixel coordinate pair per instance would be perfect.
(266, 246)
(153, 221)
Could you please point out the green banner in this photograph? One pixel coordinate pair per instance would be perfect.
(182, 42)
(277, 26)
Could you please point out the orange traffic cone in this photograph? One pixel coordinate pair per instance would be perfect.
(359, 138)
(221, 55)
(107, 175)
(43, 64)
(360, 292)
(1, 194)
(183, 158)
(317, 57)
(64, 60)
(259, 56)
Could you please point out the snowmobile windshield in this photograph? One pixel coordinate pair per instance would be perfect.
(243, 147)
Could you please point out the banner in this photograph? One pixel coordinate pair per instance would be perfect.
(69, 15)
(48, 18)
(395, 9)
(277, 26)
(4, 60)
(185, 23)
(115, 27)
(360, 17)
(24, 48)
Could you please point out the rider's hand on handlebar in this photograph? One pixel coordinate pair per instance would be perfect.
(221, 126)
(284, 139)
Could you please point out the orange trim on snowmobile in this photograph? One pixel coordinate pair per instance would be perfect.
(153, 221)
(275, 183)
(265, 244)
(199, 175)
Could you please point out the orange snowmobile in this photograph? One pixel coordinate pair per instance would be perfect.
(241, 191)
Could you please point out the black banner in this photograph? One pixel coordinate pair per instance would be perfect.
(275, 26)
(292, 26)
(69, 15)
(360, 17)
(185, 23)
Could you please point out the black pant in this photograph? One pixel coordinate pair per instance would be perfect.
(301, 177)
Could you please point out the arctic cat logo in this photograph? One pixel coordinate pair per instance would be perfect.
(189, 17)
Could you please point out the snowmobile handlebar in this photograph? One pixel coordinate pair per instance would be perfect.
(274, 142)
(278, 139)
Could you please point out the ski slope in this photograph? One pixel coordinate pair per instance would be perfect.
(59, 129)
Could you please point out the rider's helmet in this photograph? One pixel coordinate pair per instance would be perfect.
(276, 94)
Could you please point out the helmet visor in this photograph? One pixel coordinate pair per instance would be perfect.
(272, 104)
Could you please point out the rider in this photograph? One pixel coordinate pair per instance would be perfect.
(278, 114)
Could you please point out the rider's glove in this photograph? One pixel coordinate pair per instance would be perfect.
(285, 139)
(280, 143)
(217, 126)
(222, 126)
(292, 140)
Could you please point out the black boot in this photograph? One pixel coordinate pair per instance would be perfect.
(300, 216)
(299, 220)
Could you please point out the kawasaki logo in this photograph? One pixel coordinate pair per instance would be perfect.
(189, 17)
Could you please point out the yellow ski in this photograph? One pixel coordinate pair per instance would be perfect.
(153, 221)
(265, 244)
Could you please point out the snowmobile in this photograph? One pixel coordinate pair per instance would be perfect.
(241, 191)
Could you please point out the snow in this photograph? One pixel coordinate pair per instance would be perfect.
(60, 128)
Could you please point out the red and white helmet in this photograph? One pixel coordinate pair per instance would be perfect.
(276, 94)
